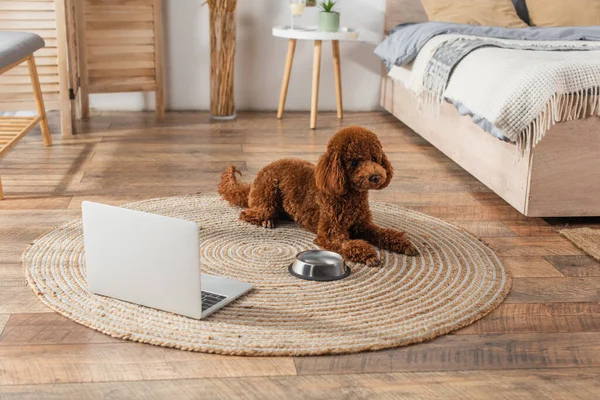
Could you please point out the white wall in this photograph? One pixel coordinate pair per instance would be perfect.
(260, 58)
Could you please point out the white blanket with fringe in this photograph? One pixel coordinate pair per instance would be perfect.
(521, 92)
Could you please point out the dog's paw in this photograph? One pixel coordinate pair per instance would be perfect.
(254, 218)
(373, 262)
(410, 250)
(268, 223)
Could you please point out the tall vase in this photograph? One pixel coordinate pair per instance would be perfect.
(222, 53)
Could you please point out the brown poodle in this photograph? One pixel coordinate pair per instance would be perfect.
(330, 199)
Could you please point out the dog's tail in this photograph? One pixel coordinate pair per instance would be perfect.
(233, 190)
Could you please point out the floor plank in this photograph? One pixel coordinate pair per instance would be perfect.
(3, 321)
(538, 318)
(471, 212)
(573, 383)
(423, 199)
(48, 328)
(575, 266)
(20, 299)
(11, 274)
(532, 227)
(24, 365)
(111, 199)
(557, 290)
(468, 352)
(29, 202)
(533, 246)
(530, 267)
(485, 229)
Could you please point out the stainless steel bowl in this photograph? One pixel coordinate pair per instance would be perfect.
(319, 265)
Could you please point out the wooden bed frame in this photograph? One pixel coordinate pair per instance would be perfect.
(559, 177)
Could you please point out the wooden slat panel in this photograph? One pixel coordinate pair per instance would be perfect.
(46, 61)
(108, 8)
(119, 25)
(110, 15)
(159, 94)
(22, 70)
(121, 65)
(121, 73)
(93, 51)
(50, 42)
(119, 34)
(10, 97)
(26, 5)
(123, 87)
(46, 51)
(44, 33)
(50, 101)
(120, 57)
(102, 40)
(119, 45)
(27, 15)
(27, 24)
(26, 88)
(24, 79)
(117, 2)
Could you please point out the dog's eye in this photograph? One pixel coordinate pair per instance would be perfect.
(374, 159)
(354, 163)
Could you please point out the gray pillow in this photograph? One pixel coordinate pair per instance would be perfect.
(521, 9)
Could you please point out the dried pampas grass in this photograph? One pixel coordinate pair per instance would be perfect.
(222, 52)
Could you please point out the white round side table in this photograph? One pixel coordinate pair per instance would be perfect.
(311, 33)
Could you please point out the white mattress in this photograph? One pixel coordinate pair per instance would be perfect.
(401, 74)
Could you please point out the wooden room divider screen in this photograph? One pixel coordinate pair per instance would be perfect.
(47, 19)
(121, 45)
(92, 46)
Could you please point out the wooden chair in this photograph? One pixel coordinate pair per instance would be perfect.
(17, 48)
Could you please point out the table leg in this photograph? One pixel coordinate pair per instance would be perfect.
(315, 84)
(338, 76)
(286, 76)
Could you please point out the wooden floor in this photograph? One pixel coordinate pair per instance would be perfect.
(543, 342)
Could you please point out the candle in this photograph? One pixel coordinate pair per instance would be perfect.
(297, 9)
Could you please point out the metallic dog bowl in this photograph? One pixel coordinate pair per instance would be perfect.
(319, 265)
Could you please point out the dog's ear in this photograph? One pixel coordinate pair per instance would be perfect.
(389, 170)
(329, 174)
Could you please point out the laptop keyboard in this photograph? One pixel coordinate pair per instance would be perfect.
(209, 299)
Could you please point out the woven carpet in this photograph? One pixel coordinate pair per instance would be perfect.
(455, 281)
(586, 239)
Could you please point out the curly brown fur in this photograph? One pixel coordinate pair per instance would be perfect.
(330, 199)
(232, 190)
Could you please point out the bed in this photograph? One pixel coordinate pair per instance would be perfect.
(559, 176)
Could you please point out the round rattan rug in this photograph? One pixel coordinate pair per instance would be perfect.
(455, 281)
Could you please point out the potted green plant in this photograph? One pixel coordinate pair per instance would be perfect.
(329, 18)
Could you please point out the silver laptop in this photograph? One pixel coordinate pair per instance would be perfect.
(151, 260)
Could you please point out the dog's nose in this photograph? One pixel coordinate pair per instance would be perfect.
(375, 178)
